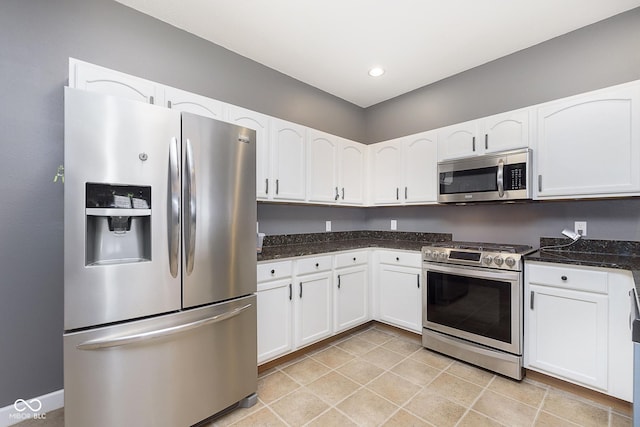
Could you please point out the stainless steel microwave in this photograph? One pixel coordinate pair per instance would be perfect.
(502, 176)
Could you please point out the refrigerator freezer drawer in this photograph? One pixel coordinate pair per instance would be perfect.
(171, 370)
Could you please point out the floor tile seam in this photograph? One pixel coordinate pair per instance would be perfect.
(319, 415)
(471, 405)
(467, 380)
(581, 399)
(396, 404)
(275, 413)
(403, 354)
(515, 400)
(402, 408)
(330, 367)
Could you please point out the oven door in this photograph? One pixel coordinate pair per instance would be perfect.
(481, 305)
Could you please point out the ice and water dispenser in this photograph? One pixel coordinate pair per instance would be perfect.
(118, 221)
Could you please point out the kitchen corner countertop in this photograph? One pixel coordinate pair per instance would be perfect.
(294, 245)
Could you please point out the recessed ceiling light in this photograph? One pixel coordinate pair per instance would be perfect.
(376, 71)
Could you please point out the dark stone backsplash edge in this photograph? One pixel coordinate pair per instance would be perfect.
(592, 246)
(340, 236)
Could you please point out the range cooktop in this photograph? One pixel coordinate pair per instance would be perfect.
(488, 255)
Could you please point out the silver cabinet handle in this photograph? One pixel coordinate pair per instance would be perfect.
(337, 194)
(277, 186)
(144, 336)
(290, 292)
(486, 141)
(174, 208)
(473, 143)
(418, 280)
(531, 301)
(190, 193)
(406, 189)
(500, 178)
(300, 289)
(339, 281)
(266, 186)
(397, 193)
(539, 182)
(342, 193)
(633, 309)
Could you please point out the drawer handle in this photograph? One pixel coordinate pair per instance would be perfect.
(290, 292)
(317, 265)
(300, 289)
(273, 272)
(564, 278)
(397, 258)
(531, 300)
(339, 281)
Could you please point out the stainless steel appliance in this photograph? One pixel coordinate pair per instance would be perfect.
(472, 303)
(501, 176)
(159, 302)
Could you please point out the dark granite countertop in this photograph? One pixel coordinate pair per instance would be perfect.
(294, 245)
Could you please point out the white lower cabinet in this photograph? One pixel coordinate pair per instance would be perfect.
(351, 291)
(576, 326)
(398, 288)
(275, 310)
(313, 308)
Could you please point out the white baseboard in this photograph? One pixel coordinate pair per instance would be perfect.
(21, 411)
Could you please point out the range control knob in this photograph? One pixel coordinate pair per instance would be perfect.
(487, 260)
(427, 254)
(510, 262)
(443, 256)
(498, 261)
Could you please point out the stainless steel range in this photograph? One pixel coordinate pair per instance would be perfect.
(472, 304)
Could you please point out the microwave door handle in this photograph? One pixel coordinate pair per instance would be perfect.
(174, 207)
(500, 178)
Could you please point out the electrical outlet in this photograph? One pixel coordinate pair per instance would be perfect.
(580, 227)
(327, 226)
(394, 224)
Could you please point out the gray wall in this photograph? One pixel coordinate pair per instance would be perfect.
(36, 39)
(600, 55)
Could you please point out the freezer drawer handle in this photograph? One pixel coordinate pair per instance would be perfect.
(144, 336)
(190, 192)
(174, 202)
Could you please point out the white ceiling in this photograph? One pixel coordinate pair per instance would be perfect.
(331, 44)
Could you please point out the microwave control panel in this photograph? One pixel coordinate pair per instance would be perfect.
(515, 176)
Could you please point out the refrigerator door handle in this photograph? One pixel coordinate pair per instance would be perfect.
(174, 201)
(101, 343)
(190, 193)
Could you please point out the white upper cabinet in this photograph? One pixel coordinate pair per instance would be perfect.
(94, 78)
(589, 145)
(322, 167)
(420, 168)
(506, 131)
(352, 172)
(458, 140)
(501, 132)
(191, 103)
(386, 172)
(288, 160)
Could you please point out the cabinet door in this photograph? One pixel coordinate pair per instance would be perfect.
(259, 123)
(352, 172)
(351, 297)
(93, 78)
(420, 168)
(386, 173)
(458, 141)
(322, 167)
(288, 160)
(313, 308)
(590, 144)
(506, 131)
(399, 297)
(191, 103)
(567, 334)
(275, 313)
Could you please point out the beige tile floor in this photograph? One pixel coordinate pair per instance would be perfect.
(379, 377)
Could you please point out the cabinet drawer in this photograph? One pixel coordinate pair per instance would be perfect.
(274, 270)
(581, 279)
(351, 258)
(407, 259)
(313, 265)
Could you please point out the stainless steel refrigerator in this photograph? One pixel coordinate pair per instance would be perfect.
(160, 264)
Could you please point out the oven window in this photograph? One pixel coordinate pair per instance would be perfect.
(469, 181)
(477, 306)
